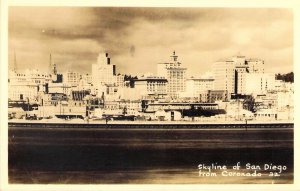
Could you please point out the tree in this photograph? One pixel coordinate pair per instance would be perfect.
(130, 79)
(289, 77)
(249, 103)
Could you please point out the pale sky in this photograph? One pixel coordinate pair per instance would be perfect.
(139, 38)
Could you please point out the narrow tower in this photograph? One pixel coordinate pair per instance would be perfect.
(174, 57)
(15, 62)
(50, 64)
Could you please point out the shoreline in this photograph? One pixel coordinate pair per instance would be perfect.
(84, 122)
(153, 125)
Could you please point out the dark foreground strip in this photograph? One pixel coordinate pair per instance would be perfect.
(152, 126)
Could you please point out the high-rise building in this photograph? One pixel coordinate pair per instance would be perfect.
(175, 75)
(224, 74)
(230, 74)
(103, 72)
(72, 78)
(240, 78)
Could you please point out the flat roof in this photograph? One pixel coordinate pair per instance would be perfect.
(184, 103)
(151, 79)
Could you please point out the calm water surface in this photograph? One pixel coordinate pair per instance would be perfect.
(62, 156)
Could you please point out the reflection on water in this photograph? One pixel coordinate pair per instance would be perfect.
(62, 156)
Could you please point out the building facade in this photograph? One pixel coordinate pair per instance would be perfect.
(72, 78)
(258, 83)
(198, 88)
(27, 85)
(231, 74)
(151, 85)
(224, 74)
(103, 72)
(175, 75)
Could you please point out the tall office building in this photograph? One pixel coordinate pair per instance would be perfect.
(231, 74)
(103, 72)
(224, 74)
(175, 74)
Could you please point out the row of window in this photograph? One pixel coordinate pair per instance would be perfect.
(265, 115)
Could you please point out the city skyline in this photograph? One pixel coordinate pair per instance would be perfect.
(139, 38)
(100, 94)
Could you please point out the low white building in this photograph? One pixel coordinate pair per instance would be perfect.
(62, 109)
(161, 115)
(25, 91)
(26, 85)
(63, 88)
(285, 100)
(128, 93)
(284, 86)
(198, 88)
(266, 115)
(130, 107)
(234, 110)
(151, 85)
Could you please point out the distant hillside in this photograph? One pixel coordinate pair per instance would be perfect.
(289, 77)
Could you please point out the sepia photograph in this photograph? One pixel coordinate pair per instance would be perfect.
(150, 95)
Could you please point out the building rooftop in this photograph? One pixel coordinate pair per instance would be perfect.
(151, 79)
(200, 79)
